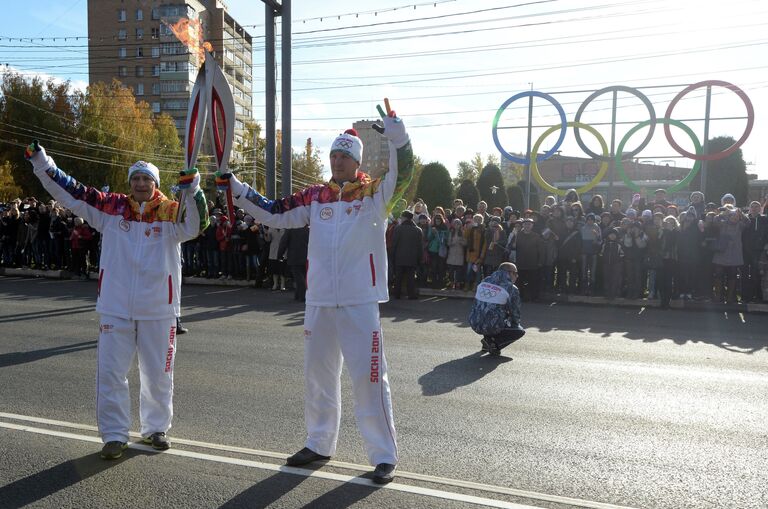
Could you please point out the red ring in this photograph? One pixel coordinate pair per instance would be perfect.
(717, 155)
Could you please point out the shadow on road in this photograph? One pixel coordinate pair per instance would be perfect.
(731, 331)
(37, 486)
(39, 315)
(456, 373)
(345, 495)
(265, 492)
(14, 358)
(271, 489)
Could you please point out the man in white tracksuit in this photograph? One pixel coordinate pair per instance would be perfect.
(346, 279)
(138, 291)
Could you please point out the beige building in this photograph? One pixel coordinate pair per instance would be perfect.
(130, 40)
(375, 149)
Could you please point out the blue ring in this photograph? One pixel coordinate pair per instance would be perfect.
(546, 155)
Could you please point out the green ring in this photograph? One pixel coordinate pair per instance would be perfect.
(676, 187)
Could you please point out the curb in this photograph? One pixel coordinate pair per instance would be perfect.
(455, 294)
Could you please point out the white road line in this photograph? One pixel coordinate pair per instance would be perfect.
(417, 490)
(456, 483)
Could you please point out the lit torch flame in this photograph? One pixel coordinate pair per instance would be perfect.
(190, 33)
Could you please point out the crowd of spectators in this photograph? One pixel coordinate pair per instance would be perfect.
(654, 250)
(47, 236)
(643, 250)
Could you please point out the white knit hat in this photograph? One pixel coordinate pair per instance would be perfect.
(146, 168)
(349, 143)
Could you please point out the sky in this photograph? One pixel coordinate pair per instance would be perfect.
(448, 66)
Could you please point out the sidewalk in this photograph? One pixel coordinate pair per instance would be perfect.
(456, 294)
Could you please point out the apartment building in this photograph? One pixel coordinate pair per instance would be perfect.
(375, 149)
(131, 41)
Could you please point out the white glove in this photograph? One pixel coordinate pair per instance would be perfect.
(36, 155)
(394, 130)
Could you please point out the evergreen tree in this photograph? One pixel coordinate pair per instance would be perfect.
(728, 175)
(490, 184)
(516, 197)
(435, 186)
(469, 194)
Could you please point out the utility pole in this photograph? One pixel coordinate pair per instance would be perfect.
(273, 9)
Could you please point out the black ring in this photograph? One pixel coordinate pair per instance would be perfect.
(617, 88)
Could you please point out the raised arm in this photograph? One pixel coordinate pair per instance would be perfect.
(289, 212)
(400, 173)
(87, 202)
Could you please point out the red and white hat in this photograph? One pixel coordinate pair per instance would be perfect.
(349, 143)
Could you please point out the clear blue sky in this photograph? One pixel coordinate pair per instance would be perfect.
(448, 67)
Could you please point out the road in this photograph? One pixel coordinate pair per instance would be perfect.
(594, 407)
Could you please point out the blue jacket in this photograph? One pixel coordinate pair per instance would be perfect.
(496, 306)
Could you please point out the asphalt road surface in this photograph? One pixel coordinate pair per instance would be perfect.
(594, 407)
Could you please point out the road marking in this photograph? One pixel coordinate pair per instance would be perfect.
(456, 483)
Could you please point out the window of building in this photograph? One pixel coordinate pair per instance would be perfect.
(139, 71)
(139, 52)
(155, 70)
(122, 52)
(156, 91)
(172, 86)
(139, 33)
(174, 48)
(122, 71)
(155, 51)
(121, 15)
(122, 34)
(176, 104)
(155, 13)
(155, 33)
(156, 107)
(139, 15)
(140, 89)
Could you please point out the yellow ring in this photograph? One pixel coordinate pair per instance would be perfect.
(592, 183)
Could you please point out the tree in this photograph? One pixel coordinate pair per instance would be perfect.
(120, 132)
(32, 109)
(477, 164)
(307, 167)
(467, 192)
(94, 136)
(465, 172)
(8, 188)
(728, 175)
(512, 172)
(250, 167)
(490, 184)
(516, 197)
(535, 201)
(435, 185)
(410, 192)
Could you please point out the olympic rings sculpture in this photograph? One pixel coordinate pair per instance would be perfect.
(534, 158)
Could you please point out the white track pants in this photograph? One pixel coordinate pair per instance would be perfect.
(119, 341)
(352, 333)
